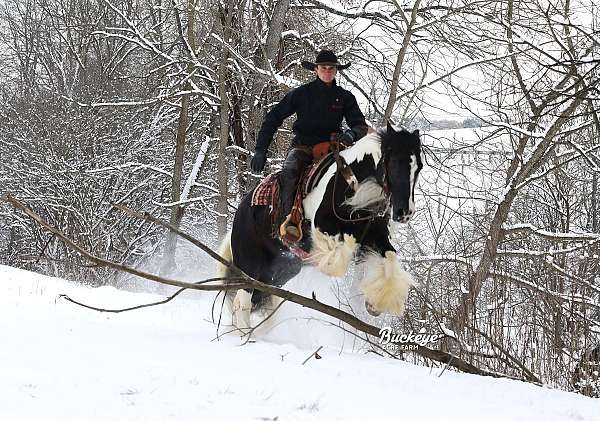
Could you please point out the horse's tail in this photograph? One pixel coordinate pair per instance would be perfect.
(226, 253)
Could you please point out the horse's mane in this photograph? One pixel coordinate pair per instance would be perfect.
(367, 145)
(382, 142)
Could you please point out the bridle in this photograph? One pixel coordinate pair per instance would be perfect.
(350, 178)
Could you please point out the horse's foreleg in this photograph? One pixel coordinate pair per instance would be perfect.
(332, 254)
(385, 284)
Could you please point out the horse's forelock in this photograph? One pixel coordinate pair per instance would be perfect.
(402, 141)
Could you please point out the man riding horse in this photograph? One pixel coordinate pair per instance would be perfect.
(320, 107)
(350, 202)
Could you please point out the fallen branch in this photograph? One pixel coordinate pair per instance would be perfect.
(122, 310)
(243, 281)
(315, 354)
(147, 217)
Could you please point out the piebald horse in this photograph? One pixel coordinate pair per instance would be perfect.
(343, 220)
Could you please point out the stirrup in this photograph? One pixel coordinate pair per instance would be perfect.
(290, 231)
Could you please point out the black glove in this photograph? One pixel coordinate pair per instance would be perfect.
(347, 138)
(258, 161)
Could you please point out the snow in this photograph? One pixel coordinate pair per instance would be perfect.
(197, 164)
(571, 235)
(60, 361)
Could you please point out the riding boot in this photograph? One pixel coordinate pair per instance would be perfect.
(295, 163)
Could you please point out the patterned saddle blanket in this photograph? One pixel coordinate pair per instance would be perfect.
(267, 192)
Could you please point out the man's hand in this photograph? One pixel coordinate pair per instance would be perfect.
(347, 138)
(257, 164)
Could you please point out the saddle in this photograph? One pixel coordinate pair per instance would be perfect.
(267, 192)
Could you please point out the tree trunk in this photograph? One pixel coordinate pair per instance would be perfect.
(495, 233)
(264, 59)
(182, 124)
(389, 108)
(225, 17)
(238, 135)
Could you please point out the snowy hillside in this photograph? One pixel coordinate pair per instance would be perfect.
(63, 362)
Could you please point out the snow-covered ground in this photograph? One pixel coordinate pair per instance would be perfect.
(62, 362)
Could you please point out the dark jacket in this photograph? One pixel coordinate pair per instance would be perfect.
(319, 109)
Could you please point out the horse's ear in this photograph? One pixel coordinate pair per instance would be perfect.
(416, 132)
(390, 129)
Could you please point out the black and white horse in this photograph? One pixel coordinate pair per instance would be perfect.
(341, 222)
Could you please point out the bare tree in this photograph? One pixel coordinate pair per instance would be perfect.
(156, 106)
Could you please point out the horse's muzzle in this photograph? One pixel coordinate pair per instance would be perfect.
(402, 215)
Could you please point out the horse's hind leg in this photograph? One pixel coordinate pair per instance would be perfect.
(282, 267)
(241, 307)
(279, 266)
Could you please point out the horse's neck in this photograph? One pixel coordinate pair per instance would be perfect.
(362, 169)
(366, 168)
(317, 172)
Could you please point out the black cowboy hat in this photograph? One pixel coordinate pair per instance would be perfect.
(326, 57)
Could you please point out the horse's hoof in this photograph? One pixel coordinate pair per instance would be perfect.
(371, 310)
